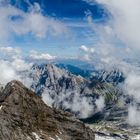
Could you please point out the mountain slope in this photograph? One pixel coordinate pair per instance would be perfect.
(114, 76)
(54, 78)
(24, 116)
(63, 90)
(75, 70)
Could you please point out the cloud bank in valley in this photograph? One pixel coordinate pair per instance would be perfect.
(13, 64)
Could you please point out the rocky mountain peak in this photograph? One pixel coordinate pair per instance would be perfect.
(25, 116)
(60, 89)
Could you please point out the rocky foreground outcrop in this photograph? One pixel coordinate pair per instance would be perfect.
(24, 116)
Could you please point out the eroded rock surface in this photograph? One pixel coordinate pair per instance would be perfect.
(24, 116)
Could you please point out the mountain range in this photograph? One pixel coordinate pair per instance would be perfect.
(62, 103)
(63, 89)
(24, 116)
(96, 98)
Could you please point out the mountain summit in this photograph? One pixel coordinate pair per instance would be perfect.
(63, 90)
(24, 116)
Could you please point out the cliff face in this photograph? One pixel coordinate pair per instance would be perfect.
(64, 90)
(54, 80)
(24, 116)
(69, 92)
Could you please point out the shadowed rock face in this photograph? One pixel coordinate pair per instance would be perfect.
(24, 116)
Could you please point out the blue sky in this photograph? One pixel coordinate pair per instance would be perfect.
(73, 14)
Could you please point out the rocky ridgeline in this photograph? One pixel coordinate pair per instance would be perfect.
(24, 116)
(64, 88)
(54, 80)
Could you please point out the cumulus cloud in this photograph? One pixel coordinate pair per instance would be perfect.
(14, 21)
(133, 116)
(100, 103)
(126, 20)
(7, 73)
(41, 56)
(9, 52)
(12, 70)
(123, 23)
(84, 48)
(47, 99)
(15, 70)
(82, 106)
(104, 56)
(21, 65)
(132, 85)
(12, 66)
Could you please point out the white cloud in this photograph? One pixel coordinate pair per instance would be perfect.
(12, 64)
(105, 56)
(123, 23)
(47, 99)
(100, 103)
(133, 116)
(13, 70)
(82, 105)
(21, 65)
(10, 50)
(84, 48)
(41, 56)
(126, 20)
(87, 49)
(132, 86)
(7, 73)
(14, 21)
(9, 53)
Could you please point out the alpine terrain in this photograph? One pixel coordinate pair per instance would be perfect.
(24, 116)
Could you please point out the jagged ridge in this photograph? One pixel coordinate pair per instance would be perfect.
(24, 116)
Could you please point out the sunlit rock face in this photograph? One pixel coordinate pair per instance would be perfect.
(23, 115)
(95, 100)
(61, 89)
